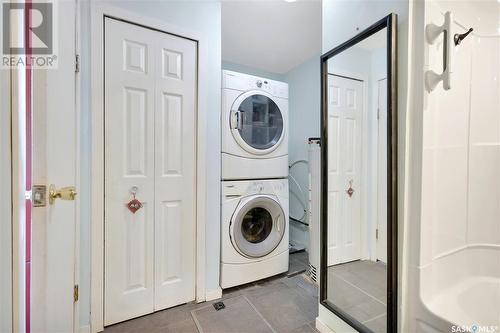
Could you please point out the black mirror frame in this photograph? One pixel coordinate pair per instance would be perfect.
(389, 22)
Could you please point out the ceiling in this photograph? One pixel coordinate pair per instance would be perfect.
(271, 35)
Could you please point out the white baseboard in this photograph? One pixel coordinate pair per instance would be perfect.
(210, 295)
(84, 329)
(322, 327)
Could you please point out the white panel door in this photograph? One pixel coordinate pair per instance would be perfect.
(129, 162)
(150, 132)
(382, 172)
(175, 167)
(55, 149)
(345, 105)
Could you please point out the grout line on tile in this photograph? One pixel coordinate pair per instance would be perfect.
(298, 285)
(260, 314)
(196, 322)
(376, 317)
(364, 292)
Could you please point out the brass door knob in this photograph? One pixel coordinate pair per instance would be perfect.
(65, 193)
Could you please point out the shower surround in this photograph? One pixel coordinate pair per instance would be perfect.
(454, 266)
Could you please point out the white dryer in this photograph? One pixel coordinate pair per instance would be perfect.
(254, 230)
(254, 127)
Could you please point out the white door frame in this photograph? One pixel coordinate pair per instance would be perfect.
(376, 162)
(6, 232)
(17, 159)
(365, 249)
(98, 12)
(6, 148)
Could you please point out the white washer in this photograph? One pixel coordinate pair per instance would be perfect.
(254, 230)
(254, 127)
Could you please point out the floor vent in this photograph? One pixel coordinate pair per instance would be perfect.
(312, 272)
(219, 306)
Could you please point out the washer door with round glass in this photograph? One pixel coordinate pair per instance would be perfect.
(257, 226)
(257, 123)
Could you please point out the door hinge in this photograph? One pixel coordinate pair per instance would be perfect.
(376, 233)
(75, 293)
(378, 113)
(77, 63)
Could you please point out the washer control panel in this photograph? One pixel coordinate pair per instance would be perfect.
(233, 189)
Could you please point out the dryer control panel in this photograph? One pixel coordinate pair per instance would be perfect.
(245, 82)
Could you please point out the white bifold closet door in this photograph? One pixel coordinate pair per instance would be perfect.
(150, 144)
(345, 107)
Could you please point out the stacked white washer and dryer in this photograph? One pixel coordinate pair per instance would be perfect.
(254, 229)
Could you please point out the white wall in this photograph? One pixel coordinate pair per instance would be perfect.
(203, 17)
(304, 116)
(355, 62)
(342, 20)
(252, 71)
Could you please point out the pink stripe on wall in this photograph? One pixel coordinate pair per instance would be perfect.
(29, 160)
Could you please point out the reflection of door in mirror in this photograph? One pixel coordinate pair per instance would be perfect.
(381, 233)
(357, 178)
(358, 199)
(345, 107)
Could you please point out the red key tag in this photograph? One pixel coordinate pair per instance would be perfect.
(134, 205)
(350, 190)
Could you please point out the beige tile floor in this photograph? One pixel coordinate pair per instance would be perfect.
(279, 304)
(359, 288)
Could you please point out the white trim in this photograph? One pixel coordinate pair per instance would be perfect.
(78, 175)
(18, 165)
(330, 322)
(213, 294)
(321, 327)
(5, 204)
(375, 161)
(98, 10)
(18, 198)
(6, 281)
(84, 329)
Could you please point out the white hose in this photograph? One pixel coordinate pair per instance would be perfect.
(302, 201)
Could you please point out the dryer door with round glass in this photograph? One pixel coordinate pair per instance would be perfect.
(257, 226)
(257, 123)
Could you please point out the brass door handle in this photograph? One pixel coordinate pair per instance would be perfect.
(65, 193)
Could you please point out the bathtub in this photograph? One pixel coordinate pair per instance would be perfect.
(459, 291)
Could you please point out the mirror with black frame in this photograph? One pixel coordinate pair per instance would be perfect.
(358, 264)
